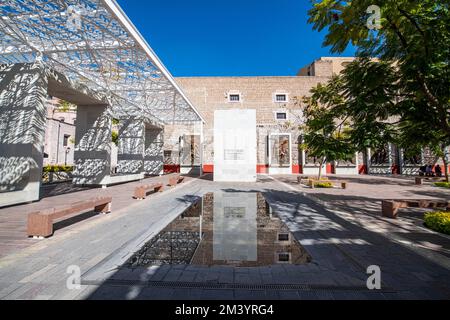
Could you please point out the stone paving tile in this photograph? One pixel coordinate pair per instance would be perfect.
(226, 276)
(288, 295)
(373, 295)
(201, 276)
(8, 288)
(408, 271)
(173, 275)
(267, 278)
(50, 291)
(210, 294)
(390, 296)
(272, 295)
(156, 294)
(84, 294)
(341, 279)
(221, 269)
(324, 295)
(242, 278)
(180, 294)
(160, 273)
(41, 297)
(282, 278)
(27, 292)
(307, 295)
(407, 295)
(128, 274)
(196, 268)
(212, 276)
(348, 295)
(66, 294)
(187, 276)
(255, 276)
(106, 292)
(243, 294)
(194, 294)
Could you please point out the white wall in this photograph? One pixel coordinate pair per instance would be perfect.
(235, 145)
(54, 143)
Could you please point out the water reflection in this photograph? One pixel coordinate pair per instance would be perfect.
(224, 228)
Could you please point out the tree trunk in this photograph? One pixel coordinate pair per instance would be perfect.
(444, 158)
(320, 168)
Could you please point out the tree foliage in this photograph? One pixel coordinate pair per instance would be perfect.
(325, 135)
(398, 90)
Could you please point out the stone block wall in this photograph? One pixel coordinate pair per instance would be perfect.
(211, 93)
(23, 98)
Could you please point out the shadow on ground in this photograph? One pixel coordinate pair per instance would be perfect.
(342, 250)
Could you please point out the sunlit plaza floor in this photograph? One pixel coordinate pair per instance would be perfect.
(342, 230)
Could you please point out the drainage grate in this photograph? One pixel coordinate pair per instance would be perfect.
(230, 286)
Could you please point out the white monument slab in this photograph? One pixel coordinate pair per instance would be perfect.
(235, 145)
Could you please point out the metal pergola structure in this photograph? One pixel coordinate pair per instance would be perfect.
(93, 42)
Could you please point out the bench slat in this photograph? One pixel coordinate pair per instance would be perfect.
(40, 223)
(140, 192)
(389, 208)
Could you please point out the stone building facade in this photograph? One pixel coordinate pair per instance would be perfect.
(278, 105)
(259, 93)
(59, 142)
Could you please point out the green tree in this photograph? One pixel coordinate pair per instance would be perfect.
(414, 135)
(325, 135)
(65, 106)
(406, 88)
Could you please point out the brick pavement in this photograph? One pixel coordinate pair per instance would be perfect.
(343, 242)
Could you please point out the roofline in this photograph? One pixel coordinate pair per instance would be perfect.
(130, 27)
(338, 58)
(251, 77)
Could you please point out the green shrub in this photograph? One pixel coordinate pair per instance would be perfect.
(51, 168)
(442, 184)
(326, 185)
(438, 221)
(115, 137)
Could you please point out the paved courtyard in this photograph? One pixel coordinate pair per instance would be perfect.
(341, 229)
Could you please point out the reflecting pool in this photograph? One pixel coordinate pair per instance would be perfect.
(224, 228)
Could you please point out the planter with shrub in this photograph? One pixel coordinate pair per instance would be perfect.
(54, 173)
(324, 185)
(438, 221)
(443, 185)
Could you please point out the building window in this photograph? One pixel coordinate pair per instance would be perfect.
(282, 237)
(234, 97)
(66, 140)
(281, 115)
(281, 97)
(168, 157)
(284, 257)
(280, 151)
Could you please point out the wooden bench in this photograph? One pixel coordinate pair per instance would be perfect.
(40, 223)
(300, 179)
(419, 180)
(140, 192)
(389, 208)
(173, 181)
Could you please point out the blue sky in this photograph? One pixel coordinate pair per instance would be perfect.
(229, 37)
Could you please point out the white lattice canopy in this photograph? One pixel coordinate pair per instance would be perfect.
(93, 42)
